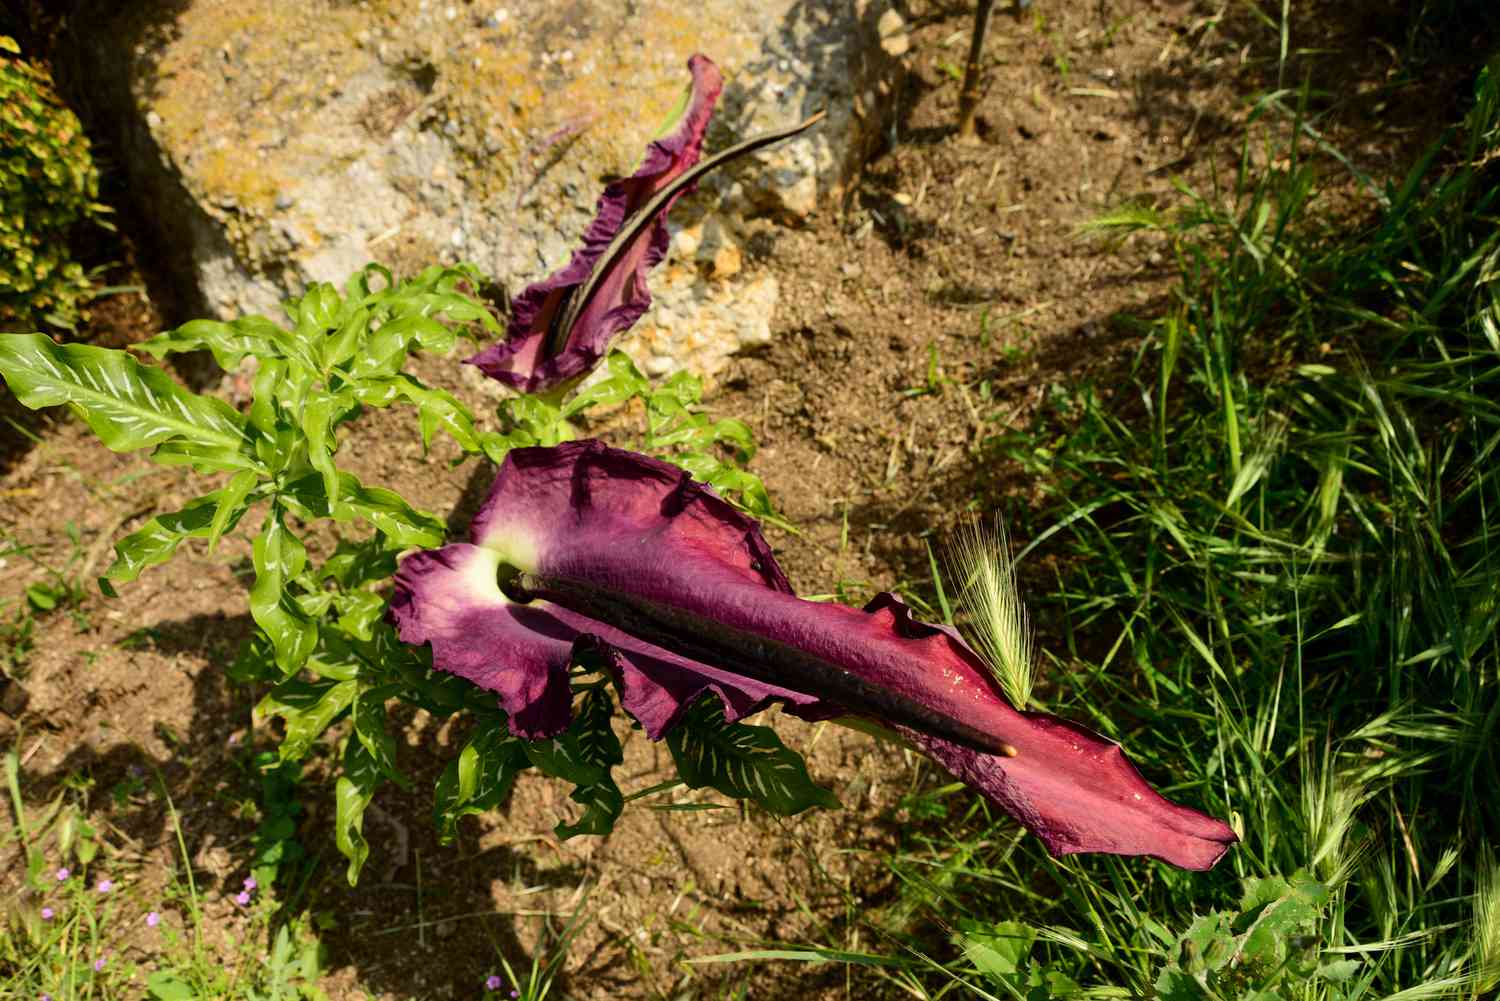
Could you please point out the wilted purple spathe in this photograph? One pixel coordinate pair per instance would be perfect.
(611, 552)
(525, 360)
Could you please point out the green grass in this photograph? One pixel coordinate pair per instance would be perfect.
(1279, 588)
(84, 926)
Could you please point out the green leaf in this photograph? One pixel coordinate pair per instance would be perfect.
(999, 950)
(164, 986)
(318, 309)
(584, 755)
(385, 350)
(1339, 970)
(359, 611)
(278, 556)
(211, 458)
(403, 524)
(344, 343)
(156, 541)
(263, 413)
(127, 404)
(1277, 910)
(437, 409)
(308, 707)
(231, 343)
(625, 381)
(745, 762)
(41, 596)
(231, 504)
(357, 563)
(480, 777)
(352, 795)
(317, 424)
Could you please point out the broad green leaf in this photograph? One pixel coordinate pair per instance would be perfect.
(345, 342)
(356, 563)
(745, 762)
(359, 611)
(1339, 970)
(308, 707)
(301, 347)
(156, 541)
(211, 458)
(317, 425)
(255, 662)
(318, 309)
(624, 381)
(403, 524)
(127, 404)
(1001, 949)
(385, 350)
(1281, 908)
(437, 409)
(41, 597)
(730, 481)
(352, 795)
(231, 343)
(278, 556)
(263, 413)
(584, 755)
(480, 777)
(165, 986)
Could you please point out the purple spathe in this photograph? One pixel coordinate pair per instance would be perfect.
(521, 360)
(635, 526)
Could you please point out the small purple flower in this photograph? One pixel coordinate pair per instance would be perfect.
(250, 883)
(62, 874)
(153, 919)
(136, 771)
(46, 997)
(99, 964)
(492, 983)
(47, 913)
(242, 898)
(515, 994)
(105, 885)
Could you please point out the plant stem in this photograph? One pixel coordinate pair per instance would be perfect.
(968, 95)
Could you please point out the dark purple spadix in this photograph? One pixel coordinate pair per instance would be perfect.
(585, 545)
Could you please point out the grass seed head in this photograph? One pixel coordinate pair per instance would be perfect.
(998, 622)
(1486, 972)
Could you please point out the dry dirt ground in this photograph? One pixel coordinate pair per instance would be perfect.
(931, 313)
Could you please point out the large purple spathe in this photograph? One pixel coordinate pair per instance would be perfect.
(644, 532)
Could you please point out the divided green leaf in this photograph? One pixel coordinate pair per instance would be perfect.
(742, 761)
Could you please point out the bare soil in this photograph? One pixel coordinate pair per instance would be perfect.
(929, 315)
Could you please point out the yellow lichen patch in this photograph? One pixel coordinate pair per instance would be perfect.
(230, 175)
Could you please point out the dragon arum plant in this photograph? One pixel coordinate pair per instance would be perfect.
(595, 578)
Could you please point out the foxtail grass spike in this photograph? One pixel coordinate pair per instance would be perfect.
(989, 593)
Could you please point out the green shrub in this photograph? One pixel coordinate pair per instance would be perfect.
(48, 184)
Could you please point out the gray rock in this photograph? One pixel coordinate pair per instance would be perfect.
(280, 144)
